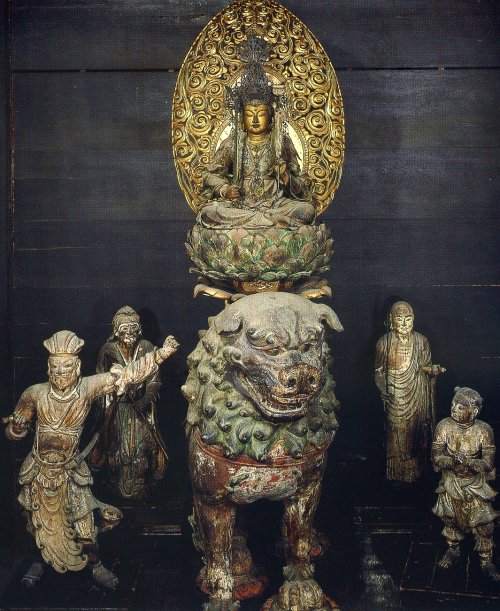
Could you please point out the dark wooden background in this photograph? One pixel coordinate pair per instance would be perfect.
(94, 218)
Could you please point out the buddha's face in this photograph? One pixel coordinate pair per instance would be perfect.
(402, 321)
(256, 119)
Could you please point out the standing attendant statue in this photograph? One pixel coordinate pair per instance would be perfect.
(63, 515)
(130, 445)
(463, 451)
(405, 377)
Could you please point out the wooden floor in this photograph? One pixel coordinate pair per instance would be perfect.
(400, 548)
(386, 561)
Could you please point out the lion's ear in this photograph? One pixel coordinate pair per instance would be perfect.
(328, 316)
(227, 322)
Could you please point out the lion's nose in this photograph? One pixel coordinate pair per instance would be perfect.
(300, 378)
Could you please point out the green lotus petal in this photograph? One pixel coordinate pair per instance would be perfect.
(215, 275)
(322, 270)
(247, 254)
(199, 263)
(269, 276)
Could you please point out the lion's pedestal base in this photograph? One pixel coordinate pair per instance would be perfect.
(272, 604)
(271, 255)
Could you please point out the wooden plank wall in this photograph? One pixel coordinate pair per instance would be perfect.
(6, 363)
(4, 215)
(99, 220)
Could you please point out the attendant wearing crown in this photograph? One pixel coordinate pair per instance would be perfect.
(255, 179)
(62, 514)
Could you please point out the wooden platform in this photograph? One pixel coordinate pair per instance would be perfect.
(461, 584)
(399, 551)
(155, 575)
(385, 560)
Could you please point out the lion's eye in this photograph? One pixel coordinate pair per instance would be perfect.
(305, 347)
(273, 351)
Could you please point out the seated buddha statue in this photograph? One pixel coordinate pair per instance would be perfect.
(254, 179)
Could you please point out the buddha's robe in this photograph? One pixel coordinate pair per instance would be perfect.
(264, 201)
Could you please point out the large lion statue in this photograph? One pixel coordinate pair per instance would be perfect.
(262, 413)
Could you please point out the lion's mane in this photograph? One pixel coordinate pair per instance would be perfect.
(227, 419)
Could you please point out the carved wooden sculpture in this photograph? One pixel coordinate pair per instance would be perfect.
(262, 413)
(463, 451)
(405, 377)
(130, 444)
(258, 138)
(62, 514)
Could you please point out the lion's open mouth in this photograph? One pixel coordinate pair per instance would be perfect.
(274, 404)
(278, 399)
(285, 407)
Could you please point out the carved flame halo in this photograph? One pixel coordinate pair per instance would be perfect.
(298, 65)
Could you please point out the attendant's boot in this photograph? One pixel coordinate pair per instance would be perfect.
(450, 557)
(33, 575)
(101, 575)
